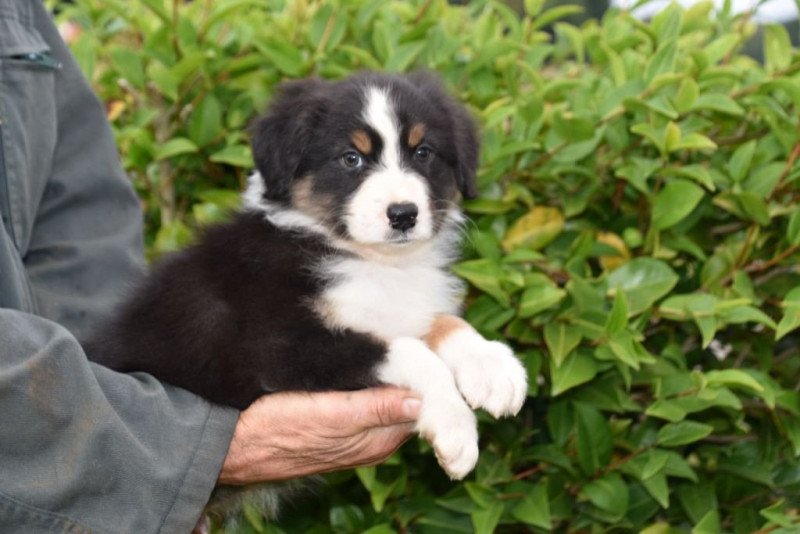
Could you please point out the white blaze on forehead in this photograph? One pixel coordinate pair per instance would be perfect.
(379, 113)
(387, 183)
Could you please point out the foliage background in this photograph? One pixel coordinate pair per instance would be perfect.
(637, 240)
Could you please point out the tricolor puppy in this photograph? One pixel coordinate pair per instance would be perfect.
(335, 274)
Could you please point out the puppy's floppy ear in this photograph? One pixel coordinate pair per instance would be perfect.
(279, 138)
(463, 127)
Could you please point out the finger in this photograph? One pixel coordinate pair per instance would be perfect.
(387, 406)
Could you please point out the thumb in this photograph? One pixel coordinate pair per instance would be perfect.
(386, 407)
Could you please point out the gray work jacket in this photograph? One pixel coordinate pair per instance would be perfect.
(82, 448)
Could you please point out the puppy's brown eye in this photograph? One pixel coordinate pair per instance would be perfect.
(352, 159)
(423, 153)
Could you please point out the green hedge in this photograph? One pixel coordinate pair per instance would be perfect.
(637, 240)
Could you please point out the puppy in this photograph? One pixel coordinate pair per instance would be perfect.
(335, 274)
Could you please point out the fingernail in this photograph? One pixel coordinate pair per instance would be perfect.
(411, 407)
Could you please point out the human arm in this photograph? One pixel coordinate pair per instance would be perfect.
(82, 446)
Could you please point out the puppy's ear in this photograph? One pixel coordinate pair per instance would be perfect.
(279, 138)
(465, 137)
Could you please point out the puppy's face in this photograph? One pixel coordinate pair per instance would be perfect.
(375, 159)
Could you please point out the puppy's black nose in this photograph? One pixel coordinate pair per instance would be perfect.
(402, 215)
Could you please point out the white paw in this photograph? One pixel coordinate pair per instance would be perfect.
(445, 420)
(450, 427)
(487, 373)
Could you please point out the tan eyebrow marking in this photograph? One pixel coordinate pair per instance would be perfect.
(415, 134)
(361, 141)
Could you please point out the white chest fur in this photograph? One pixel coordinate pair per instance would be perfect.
(388, 300)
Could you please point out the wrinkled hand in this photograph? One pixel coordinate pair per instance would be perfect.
(287, 435)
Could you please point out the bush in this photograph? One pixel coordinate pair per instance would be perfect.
(637, 240)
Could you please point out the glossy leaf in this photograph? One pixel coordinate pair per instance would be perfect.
(644, 281)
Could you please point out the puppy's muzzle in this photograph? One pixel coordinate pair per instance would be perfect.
(402, 216)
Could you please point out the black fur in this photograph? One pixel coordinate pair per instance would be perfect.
(230, 319)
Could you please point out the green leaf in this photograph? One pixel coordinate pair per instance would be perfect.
(532, 7)
(644, 281)
(236, 155)
(789, 321)
(157, 6)
(666, 409)
(777, 48)
(534, 508)
(283, 56)
(695, 141)
(403, 56)
(129, 65)
(763, 180)
(254, 517)
(739, 164)
(672, 136)
(791, 428)
(485, 520)
(718, 102)
(656, 486)
(205, 123)
(793, 229)
(622, 348)
(175, 147)
(593, 440)
(327, 27)
(699, 307)
(535, 229)
(560, 339)
(698, 500)
(746, 314)
(662, 61)
(682, 433)
(698, 173)
(687, 95)
(675, 202)
(378, 490)
(667, 23)
(553, 14)
(652, 134)
(775, 514)
(172, 237)
(484, 274)
(609, 493)
(754, 207)
(709, 524)
(578, 368)
(164, 80)
(733, 378)
(538, 298)
(637, 170)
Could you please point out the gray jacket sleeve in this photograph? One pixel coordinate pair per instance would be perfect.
(85, 449)
(82, 448)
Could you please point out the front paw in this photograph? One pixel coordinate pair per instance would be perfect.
(487, 373)
(450, 427)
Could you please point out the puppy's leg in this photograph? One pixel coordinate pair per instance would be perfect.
(445, 420)
(487, 372)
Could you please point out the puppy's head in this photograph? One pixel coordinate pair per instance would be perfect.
(375, 159)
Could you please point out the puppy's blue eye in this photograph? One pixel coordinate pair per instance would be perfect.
(352, 159)
(423, 153)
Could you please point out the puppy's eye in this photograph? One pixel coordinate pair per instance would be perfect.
(352, 159)
(423, 153)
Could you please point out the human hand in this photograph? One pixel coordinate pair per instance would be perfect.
(288, 435)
